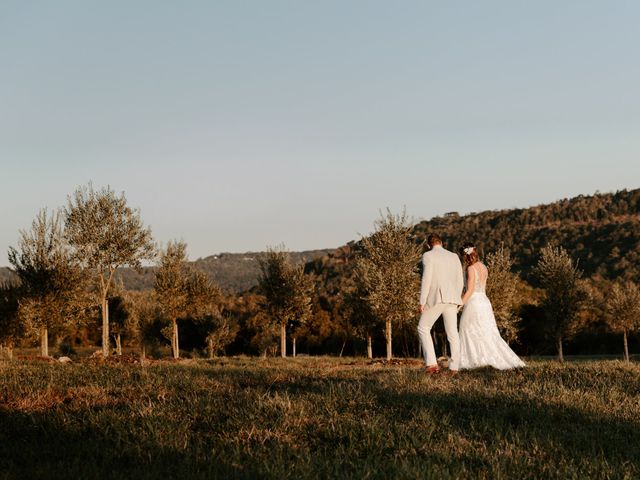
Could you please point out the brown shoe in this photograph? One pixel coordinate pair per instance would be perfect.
(433, 369)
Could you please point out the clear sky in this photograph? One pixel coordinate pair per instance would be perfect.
(234, 125)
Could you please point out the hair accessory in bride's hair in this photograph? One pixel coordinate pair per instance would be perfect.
(469, 250)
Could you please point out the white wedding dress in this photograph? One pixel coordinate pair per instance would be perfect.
(480, 341)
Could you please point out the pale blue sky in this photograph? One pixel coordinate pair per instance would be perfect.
(234, 125)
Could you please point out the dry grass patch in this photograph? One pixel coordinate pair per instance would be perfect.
(318, 418)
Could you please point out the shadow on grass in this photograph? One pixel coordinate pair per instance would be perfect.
(357, 427)
(40, 446)
(550, 435)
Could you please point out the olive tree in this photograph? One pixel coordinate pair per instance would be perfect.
(502, 290)
(387, 271)
(287, 291)
(183, 292)
(106, 234)
(170, 287)
(564, 293)
(205, 308)
(264, 332)
(623, 310)
(50, 278)
(144, 320)
(221, 331)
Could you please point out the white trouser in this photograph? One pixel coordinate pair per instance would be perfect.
(449, 312)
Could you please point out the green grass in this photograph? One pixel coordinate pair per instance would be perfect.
(317, 418)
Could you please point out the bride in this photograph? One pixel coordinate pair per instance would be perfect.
(480, 341)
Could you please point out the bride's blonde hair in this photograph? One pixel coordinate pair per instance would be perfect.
(469, 253)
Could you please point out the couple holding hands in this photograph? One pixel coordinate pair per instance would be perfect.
(478, 342)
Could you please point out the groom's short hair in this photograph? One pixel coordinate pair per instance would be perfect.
(434, 239)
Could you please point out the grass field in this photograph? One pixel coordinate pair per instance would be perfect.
(317, 418)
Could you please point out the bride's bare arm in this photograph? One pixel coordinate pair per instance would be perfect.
(471, 285)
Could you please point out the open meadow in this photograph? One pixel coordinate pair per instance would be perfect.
(317, 418)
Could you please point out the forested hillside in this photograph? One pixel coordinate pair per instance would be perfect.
(601, 231)
(233, 272)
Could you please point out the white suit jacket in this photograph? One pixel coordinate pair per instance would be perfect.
(442, 278)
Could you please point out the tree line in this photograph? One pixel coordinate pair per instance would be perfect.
(67, 264)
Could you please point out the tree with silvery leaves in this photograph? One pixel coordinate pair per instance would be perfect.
(502, 290)
(144, 320)
(387, 272)
(182, 292)
(287, 290)
(106, 234)
(564, 293)
(51, 281)
(221, 331)
(623, 310)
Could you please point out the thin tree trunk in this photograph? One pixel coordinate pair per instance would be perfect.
(105, 326)
(143, 352)
(283, 340)
(293, 350)
(342, 348)
(388, 335)
(118, 345)
(44, 342)
(559, 345)
(444, 348)
(626, 346)
(211, 355)
(175, 342)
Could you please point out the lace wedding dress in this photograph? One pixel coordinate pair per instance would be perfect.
(480, 341)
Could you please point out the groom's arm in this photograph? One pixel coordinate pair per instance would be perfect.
(427, 274)
(460, 285)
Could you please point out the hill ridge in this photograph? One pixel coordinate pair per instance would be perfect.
(602, 230)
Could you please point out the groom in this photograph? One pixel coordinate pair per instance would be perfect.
(441, 292)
